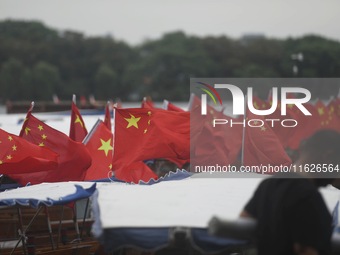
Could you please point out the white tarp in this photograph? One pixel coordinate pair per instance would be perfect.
(189, 203)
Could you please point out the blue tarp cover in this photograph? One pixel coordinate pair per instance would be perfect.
(49, 194)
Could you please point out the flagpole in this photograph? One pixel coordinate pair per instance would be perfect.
(31, 107)
(191, 101)
(109, 107)
(165, 104)
(244, 129)
(89, 135)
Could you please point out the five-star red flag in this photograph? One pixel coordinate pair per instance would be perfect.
(307, 126)
(328, 116)
(78, 129)
(17, 156)
(99, 144)
(142, 134)
(214, 145)
(135, 172)
(262, 146)
(147, 103)
(171, 107)
(260, 104)
(283, 133)
(74, 159)
(334, 112)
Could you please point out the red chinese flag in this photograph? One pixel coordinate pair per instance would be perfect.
(260, 104)
(330, 118)
(171, 107)
(135, 172)
(99, 144)
(147, 103)
(336, 104)
(210, 145)
(307, 125)
(262, 146)
(142, 134)
(274, 121)
(334, 111)
(74, 159)
(322, 115)
(77, 127)
(107, 119)
(17, 156)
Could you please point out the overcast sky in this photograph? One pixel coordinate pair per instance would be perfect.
(136, 20)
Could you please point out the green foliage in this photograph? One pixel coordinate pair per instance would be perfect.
(37, 62)
(15, 80)
(45, 81)
(105, 81)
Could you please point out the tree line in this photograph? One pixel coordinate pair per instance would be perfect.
(37, 62)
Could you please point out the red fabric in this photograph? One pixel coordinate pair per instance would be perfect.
(336, 103)
(262, 146)
(328, 115)
(151, 133)
(135, 172)
(74, 159)
(260, 104)
(284, 133)
(77, 127)
(334, 111)
(107, 119)
(172, 107)
(214, 145)
(17, 156)
(100, 146)
(323, 117)
(147, 103)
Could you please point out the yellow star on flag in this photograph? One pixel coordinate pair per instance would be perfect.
(78, 120)
(43, 136)
(41, 144)
(14, 147)
(106, 146)
(27, 129)
(10, 138)
(321, 111)
(9, 157)
(40, 127)
(132, 121)
(0, 162)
